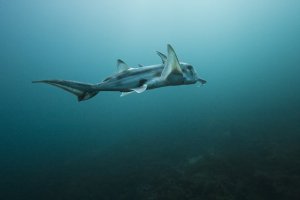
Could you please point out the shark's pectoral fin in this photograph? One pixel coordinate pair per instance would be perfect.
(172, 71)
(126, 93)
(141, 89)
(162, 56)
(121, 65)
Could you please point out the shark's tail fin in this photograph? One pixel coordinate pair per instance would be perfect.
(83, 91)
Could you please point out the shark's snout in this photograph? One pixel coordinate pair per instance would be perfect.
(202, 81)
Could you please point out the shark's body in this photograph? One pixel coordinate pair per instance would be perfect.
(128, 80)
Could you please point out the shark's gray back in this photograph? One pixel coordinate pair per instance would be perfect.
(132, 78)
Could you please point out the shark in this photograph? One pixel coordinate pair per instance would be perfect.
(130, 80)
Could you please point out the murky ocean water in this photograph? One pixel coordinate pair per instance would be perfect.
(237, 137)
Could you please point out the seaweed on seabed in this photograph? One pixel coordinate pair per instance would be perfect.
(247, 170)
(206, 177)
(233, 166)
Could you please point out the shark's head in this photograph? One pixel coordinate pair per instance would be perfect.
(189, 74)
(178, 72)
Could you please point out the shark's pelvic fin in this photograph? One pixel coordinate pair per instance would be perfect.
(162, 56)
(122, 66)
(172, 67)
(140, 89)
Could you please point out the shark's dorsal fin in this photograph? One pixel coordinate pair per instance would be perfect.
(162, 56)
(140, 65)
(172, 66)
(122, 66)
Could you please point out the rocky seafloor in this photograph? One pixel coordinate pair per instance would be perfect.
(222, 165)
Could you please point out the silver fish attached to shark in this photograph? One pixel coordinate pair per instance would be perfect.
(129, 80)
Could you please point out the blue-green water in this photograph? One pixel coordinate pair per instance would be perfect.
(237, 137)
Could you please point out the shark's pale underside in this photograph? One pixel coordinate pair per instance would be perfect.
(129, 80)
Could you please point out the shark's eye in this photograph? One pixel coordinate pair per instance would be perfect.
(189, 67)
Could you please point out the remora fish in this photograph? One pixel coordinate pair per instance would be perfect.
(128, 80)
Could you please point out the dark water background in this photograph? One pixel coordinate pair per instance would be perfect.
(238, 137)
